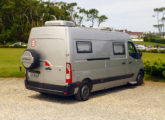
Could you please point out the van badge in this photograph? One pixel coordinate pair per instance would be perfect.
(33, 43)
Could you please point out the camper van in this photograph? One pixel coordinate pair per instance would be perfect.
(66, 60)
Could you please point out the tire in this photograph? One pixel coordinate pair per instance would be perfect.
(84, 91)
(139, 78)
(30, 59)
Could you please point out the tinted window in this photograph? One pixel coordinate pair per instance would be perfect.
(84, 46)
(132, 50)
(118, 48)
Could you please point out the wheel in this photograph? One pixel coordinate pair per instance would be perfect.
(83, 92)
(30, 59)
(139, 78)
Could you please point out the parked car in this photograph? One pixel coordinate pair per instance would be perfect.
(66, 60)
(140, 47)
(160, 49)
(150, 46)
(18, 44)
(162, 46)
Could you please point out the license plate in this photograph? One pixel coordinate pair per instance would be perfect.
(34, 75)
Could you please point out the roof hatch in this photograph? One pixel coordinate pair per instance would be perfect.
(59, 23)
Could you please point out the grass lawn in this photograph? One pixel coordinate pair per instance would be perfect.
(10, 61)
(152, 57)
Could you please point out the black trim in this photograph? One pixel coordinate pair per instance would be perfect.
(89, 42)
(70, 88)
(97, 81)
(92, 59)
(52, 89)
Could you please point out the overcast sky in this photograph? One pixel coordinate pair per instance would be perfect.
(135, 15)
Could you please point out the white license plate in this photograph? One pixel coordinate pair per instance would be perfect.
(34, 75)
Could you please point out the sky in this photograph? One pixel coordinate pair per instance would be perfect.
(133, 15)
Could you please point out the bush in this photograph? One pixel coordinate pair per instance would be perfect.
(155, 40)
(155, 69)
(153, 51)
(4, 46)
(18, 46)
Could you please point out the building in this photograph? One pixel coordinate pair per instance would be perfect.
(136, 36)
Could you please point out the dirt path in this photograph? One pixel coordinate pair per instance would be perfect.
(145, 102)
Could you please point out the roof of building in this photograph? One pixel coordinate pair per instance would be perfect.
(132, 33)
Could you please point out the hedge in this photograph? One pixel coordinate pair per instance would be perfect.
(155, 40)
(155, 69)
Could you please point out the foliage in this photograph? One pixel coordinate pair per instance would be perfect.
(160, 17)
(155, 69)
(153, 51)
(101, 19)
(148, 43)
(154, 64)
(17, 17)
(154, 40)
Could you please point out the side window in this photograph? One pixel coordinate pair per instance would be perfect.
(118, 48)
(84, 46)
(132, 50)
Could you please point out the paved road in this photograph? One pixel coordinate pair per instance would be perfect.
(145, 102)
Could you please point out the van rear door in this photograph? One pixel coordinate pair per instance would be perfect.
(50, 44)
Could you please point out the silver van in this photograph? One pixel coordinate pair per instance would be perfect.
(66, 60)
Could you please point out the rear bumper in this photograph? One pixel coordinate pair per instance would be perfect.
(68, 90)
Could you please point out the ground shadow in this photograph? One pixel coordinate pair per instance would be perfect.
(54, 98)
(112, 90)
(72, 100)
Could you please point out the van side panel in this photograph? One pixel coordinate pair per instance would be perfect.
(101, 63)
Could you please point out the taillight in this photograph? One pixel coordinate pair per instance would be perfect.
(68, 73)
(47, 63)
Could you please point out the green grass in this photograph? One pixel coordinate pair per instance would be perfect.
(148, 43)
(153, 57)
(10, 61)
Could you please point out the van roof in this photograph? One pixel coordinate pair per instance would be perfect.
(78, 33)
(97, 34)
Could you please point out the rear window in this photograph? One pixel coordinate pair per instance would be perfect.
(118, 48)
(84, 46)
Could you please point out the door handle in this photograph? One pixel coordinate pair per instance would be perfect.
(130, 62)
(123, 63)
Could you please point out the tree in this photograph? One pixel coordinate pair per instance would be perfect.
(92, 15)
(101, 19)
(160, 14)
(17, 17)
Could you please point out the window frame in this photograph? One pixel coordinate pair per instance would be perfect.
(123, 44)
(88, 42)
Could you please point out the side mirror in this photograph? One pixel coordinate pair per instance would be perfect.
(139, 54)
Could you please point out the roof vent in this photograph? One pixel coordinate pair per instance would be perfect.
(59, 23)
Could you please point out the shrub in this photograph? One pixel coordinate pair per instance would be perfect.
(155, 69)
(155, 40)
(4, 46)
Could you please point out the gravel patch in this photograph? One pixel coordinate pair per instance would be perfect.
(145, 102)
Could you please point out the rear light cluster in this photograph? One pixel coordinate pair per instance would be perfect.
(47, 63)
(68, 73)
